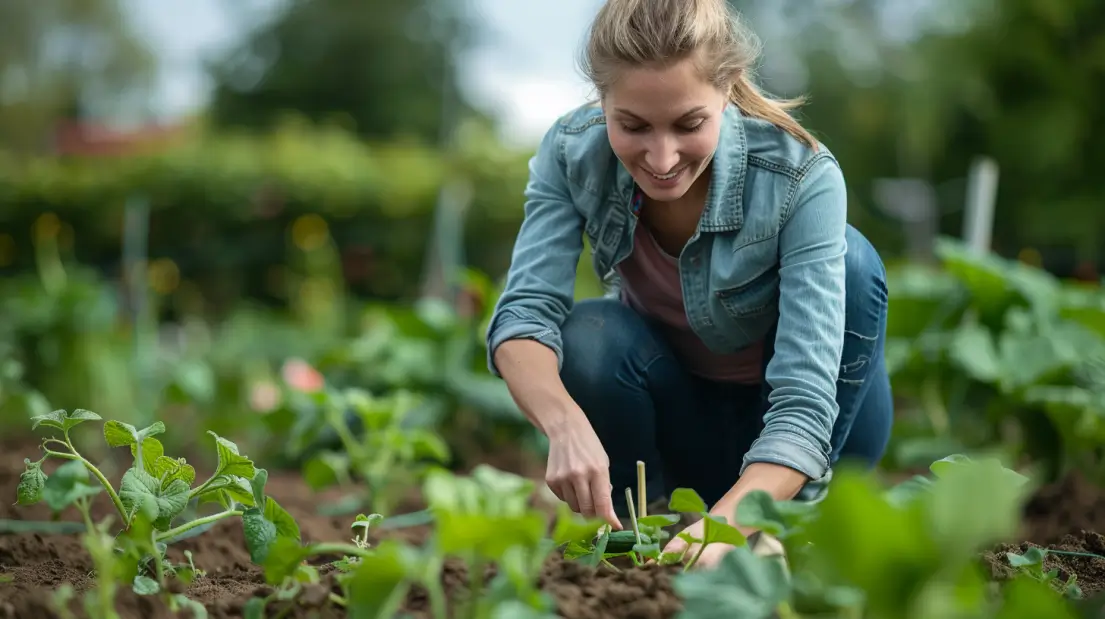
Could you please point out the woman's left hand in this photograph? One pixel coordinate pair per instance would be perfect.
(711, 556)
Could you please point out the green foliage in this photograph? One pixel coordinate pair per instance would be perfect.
(985, 345)
(151, 495)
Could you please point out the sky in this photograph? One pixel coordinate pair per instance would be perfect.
(526, 72)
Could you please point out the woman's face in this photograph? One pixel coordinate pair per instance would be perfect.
(664, 125)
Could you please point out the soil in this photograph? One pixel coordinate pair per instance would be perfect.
(1089, 571)
(34, 565)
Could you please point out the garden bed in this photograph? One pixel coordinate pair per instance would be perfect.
(34, 565)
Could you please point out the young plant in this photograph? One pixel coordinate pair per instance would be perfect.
(388, 456)
(870, 553)
(153, 493)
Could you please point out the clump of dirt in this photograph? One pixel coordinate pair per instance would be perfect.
(1089, 571)
(1066, 507)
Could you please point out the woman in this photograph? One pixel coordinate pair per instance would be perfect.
(744, 350)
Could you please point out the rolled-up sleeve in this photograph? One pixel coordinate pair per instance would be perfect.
(809, 341)
(540, 284)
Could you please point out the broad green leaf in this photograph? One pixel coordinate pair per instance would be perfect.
(282, 559)
(488, 536)
(686, 501)
(263, 527)
(69, 482)
(860, 539)
(171, 469)
(571, 527)
(743, 585)
(63, 420)
(958, 527)
(780, 519)
(227, 491)
(119, 434)
(658, 520)
(717, 531)
(230, 461)
(31, 483)
(152, 449)
(259, 533)
(366, 522)
(140, 491)
(144, 585)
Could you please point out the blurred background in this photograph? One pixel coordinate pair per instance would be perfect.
(209, 209)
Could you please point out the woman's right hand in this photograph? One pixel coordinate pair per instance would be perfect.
(578, 472)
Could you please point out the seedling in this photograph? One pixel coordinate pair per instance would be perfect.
(1031, 565)
(645, 540)
(388, 456)
(151, 495)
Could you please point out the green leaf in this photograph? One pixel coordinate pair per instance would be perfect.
(120, 434)
(283, 557)
(571, 527)
(141, 492)
(262, 528)
(658, 520)
(230, 461)
(781, 519)
(686, 501)
(717, 531)
(743, 585)
(63, 420)
(144, 585)
(227, 491)
(31, 482)
(68, 483)
(152, 449)
(171, 469)
(260, 533)
(254, 609)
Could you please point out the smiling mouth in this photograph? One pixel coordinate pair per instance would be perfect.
(668, 176)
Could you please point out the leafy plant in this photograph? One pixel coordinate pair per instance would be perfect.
(151, 496)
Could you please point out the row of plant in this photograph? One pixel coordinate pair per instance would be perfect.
(993, 353)
(907, 552)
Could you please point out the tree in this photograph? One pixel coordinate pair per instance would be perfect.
(67, 58)
(385, 68)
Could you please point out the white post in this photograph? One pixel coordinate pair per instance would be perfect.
(982, 190)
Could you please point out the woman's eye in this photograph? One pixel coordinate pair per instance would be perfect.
(633, 128)
(692, 128)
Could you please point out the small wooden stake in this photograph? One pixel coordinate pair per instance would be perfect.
(642, 500)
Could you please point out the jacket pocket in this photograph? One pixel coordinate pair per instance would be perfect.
(759, 296)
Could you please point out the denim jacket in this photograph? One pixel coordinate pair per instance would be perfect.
(769, 249)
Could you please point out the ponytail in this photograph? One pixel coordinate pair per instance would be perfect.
(746, 96)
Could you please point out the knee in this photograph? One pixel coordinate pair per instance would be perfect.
(865, 276)
(599, 337)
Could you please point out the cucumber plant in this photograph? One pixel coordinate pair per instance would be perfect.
(150, 499)
(644, 541)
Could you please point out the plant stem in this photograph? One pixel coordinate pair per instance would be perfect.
(694, 559)
(339, 549)
(339, 600)
(187, 526)
(100, 476)
(1071, 553)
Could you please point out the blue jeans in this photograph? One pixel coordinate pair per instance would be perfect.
(692, 432)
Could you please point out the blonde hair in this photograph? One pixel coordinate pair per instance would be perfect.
(634, 33)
